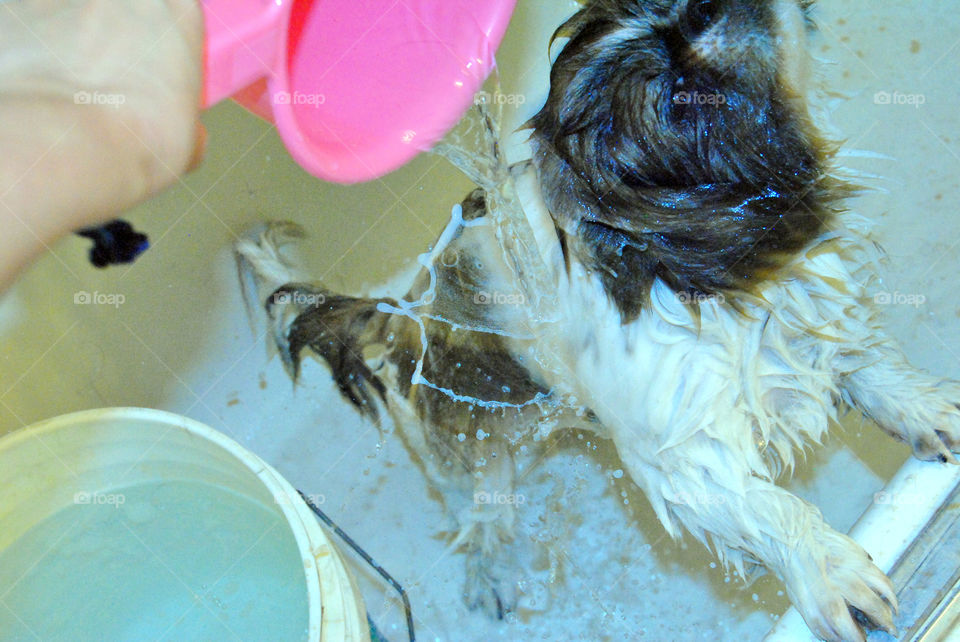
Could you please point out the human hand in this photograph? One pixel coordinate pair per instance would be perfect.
(99, 104)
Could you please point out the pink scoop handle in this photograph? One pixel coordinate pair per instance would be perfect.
(243, 43)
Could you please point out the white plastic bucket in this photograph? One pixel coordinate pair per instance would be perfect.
(130, 523)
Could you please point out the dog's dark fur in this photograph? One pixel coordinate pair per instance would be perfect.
(709, 197)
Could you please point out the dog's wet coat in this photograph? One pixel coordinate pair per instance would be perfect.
(713, 305)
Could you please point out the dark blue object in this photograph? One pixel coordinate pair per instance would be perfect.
(114, 243)
(375, 635)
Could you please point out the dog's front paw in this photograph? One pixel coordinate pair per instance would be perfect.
(838, 590)
(933, 429)
(489, 588)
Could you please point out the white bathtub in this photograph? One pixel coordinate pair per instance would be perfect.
(601, 567)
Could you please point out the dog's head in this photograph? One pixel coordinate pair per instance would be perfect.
(675, 142)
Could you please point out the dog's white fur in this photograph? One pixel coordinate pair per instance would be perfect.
(706, 412)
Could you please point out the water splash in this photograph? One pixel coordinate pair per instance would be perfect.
(412, 310)
(474, 147)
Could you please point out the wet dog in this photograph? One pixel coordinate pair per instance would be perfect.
(711, 311)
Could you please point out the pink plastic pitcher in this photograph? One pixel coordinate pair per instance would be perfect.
(356, 87)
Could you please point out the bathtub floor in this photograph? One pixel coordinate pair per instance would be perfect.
(595, 565)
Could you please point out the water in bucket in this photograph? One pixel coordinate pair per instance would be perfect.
(173, 560)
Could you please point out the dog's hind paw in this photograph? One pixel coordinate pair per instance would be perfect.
(838, 590)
